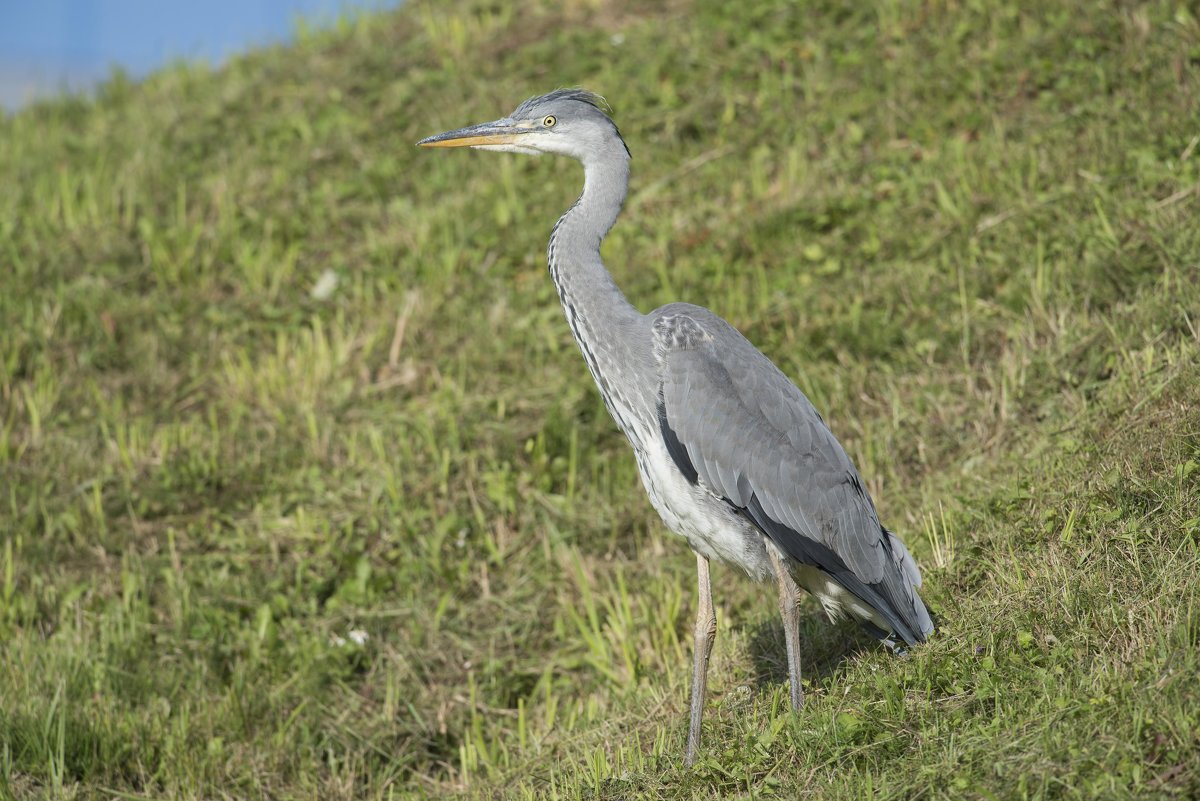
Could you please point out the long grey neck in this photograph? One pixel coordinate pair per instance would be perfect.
(574, 253)
(601, 319)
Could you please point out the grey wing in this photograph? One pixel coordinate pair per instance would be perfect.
(737, 425)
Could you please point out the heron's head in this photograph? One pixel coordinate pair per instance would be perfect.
(567, 122)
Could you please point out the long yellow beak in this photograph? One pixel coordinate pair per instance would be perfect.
(500, 132)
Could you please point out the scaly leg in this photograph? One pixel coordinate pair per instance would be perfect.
(705, 633)
(789, 595)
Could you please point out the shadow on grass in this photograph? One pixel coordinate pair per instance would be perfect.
(824, 646)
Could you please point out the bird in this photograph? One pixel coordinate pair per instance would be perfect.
(733, 456)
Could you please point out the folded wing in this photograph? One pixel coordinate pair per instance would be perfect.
(739, 427)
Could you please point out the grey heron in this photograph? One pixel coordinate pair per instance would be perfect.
(734, 457)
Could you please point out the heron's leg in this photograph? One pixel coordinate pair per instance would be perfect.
(789, 595)
(705, 633)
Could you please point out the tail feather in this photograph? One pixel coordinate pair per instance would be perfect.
(912, 574)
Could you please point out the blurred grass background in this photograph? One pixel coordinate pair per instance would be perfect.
(306, 493)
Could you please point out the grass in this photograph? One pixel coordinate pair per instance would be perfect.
(382, 540)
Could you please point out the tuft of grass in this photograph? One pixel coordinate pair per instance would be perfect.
(304, 491)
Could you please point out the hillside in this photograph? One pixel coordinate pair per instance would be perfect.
(305, 491)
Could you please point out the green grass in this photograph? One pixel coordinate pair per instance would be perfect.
(969, 232)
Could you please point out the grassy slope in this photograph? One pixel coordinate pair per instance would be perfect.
(969, 234)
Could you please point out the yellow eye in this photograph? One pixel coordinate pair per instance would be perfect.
(549, 121)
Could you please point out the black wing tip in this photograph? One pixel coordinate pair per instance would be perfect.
(911, 636)
(908, 628)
